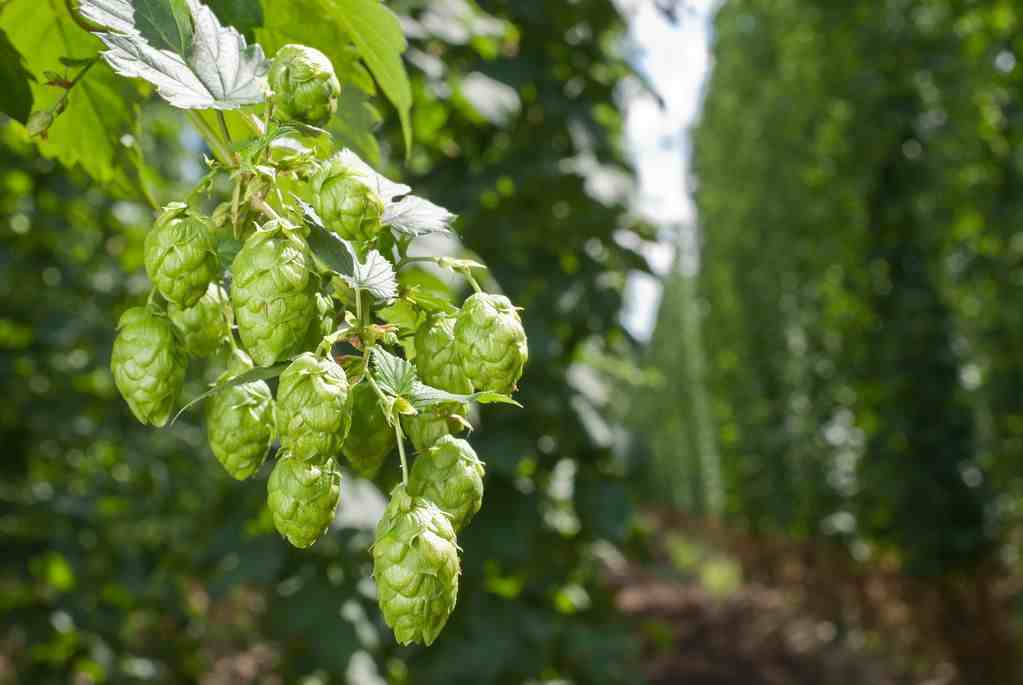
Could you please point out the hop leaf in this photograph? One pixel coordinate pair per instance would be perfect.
(273, 294)
(304, 85)
(148, 365)
(437, 358)
(240, 422)
(180, 255)
(491, 342)
(371, 438)
(450, 475)
(303, 497)
(427, 427)
(416, 567)
(203, 326)
(313, 408)
(194, 62)
(345, 202)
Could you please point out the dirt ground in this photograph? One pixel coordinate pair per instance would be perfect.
(749, 637)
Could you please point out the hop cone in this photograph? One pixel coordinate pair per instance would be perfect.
(313, 408)
(437, 360)
(346, 205)
(371, 438)
(273, 294)
(416, 567)
(240, 422)
(427, 427)
(148, 365)
(450, 475)
(302, 497)
(491, 342)
(180, 256)
(203, 326)
(323, 323)
(304, 85)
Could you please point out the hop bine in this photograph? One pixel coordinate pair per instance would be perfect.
(278, 312)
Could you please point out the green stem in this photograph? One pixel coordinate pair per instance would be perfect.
(223, 127)
(217, 146)
(472, 281)
(75, 17)
(401, 452)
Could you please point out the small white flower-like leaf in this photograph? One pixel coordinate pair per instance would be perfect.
(417, 216)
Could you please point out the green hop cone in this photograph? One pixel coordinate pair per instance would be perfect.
(273, 294)
(241, 422)
(437, 360)
(305, 87)
(323, 323)
(148, 365)
(345, 204)
(428, 426)
(416, 567)
(303, 497)
(450, 475)
(491, 342)
(203, 326)
(313, 408)
(371, 438)
(180, 255)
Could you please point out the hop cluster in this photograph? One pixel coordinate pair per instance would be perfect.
(284, 299)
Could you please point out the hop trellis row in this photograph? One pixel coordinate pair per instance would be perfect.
(285, 287)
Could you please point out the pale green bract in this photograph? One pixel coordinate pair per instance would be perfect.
(416, 568)
(429, 425)
(148, 364)
(491, 342)
(450, 475)
(303, 497)
(273, 293)
(241, 422)
(180, 256)
(345, 204)
(313, 408)
(305, 87)
(437, 360)
(371, 438)
(203, 326)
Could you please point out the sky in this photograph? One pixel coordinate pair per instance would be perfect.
(675, 58)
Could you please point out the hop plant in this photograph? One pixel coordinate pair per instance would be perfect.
(303, 496)
(450, 475)
(180, 256)
(148, 365)
(371, 438)
(304, 85)
(313, 408)
(345, 203)
(304, 286)
(273, 293)
(416, 568)
(241, 421)
(203, 326)
(491, 343)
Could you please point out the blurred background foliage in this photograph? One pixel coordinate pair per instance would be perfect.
(129, 556)
(852, 405)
